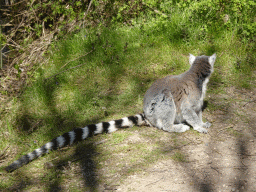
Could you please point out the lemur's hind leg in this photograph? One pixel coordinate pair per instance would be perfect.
(191, 117)
(206, 124)
(161, 112)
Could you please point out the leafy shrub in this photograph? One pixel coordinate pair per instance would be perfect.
(238, 15)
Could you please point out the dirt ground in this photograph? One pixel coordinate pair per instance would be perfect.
(222, 160)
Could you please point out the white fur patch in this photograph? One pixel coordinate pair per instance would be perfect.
(204, 87)
(17, 162)
(112, 127)
(126, 122)
(140, 121)
(49, 145)
(61, 141)
(38, 152)
(212, 59)
(200, 104)
(72, 136)
(159, 124)
(85, 132)
(191, 59)
(30, 156)
(99, 128)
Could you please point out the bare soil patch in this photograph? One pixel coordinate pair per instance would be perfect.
(222, 160)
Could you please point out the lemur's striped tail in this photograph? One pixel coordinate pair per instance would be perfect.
(78, 134)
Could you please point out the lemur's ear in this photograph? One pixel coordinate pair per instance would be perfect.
(212, 59)
(191, 59)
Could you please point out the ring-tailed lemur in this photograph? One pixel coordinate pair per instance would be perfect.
(168, 103)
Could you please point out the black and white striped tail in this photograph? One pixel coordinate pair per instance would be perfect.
(78, 134)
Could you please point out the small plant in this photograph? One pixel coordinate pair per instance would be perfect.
(119, 137)
(178, 156)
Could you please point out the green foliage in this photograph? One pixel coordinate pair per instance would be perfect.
(210, 16)
(53, 14)
(178, 156)
(119, 137)
(207, 18)
(238, 15)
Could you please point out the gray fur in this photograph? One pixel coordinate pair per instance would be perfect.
(174, 100)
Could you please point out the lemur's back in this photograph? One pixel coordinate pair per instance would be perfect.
(177, 85)
(169, 100)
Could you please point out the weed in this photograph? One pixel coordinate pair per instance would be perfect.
(119, 137)
(235, 132)
(178, 156)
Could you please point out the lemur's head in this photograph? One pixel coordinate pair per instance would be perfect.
(202, 59)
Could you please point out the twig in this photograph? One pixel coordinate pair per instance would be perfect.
(110, 187)
(15, 30)
(217, 152)
(231, 126)
(88, 8)
(227, 167)
(2, 155)
(100, 142)
(64, 71)
(17, 45)
(221, 53)
(154, 182)
(76, 59)
(33, 127)
(214, 168)
(183, 145)
(249, 102)
(246, 154)
(7, 25)
(14, 4)
(5, 10)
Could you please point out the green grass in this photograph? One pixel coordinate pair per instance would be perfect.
(178, 156)
(124, 62)
(119, 137)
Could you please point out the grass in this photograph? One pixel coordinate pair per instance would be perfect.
(178, 156)
(124, 62)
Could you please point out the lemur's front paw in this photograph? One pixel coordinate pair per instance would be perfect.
(200, 129)
(206, 125)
